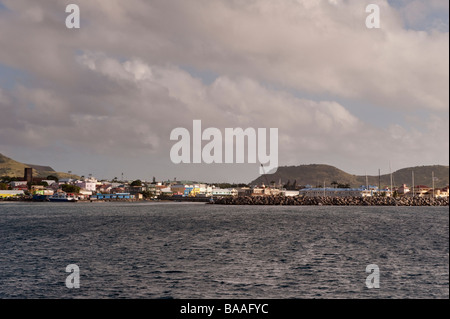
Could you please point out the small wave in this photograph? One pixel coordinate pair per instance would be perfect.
(303, 267)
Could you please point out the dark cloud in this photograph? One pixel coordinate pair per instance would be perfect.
(117, 87)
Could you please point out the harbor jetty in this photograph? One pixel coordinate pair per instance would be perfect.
(332, 201)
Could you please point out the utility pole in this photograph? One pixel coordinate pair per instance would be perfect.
(413, 183)
(379, 181)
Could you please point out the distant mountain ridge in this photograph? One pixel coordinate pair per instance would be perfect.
(12, 168)
(317, 174)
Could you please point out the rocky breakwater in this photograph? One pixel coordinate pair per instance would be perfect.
(331, 201)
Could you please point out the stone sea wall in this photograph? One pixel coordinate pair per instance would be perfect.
(337, 201)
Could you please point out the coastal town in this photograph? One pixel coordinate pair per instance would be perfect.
(93, 190)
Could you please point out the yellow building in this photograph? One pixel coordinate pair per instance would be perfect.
(198, 189)
(195, 191)
(8, 193)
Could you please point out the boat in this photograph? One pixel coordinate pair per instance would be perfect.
(40, 198)
(63, 197)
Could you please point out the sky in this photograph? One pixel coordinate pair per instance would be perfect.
(104, 98)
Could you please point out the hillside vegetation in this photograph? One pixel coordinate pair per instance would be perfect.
(12, 168)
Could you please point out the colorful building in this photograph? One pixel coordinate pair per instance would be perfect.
(177, 189)
(11, 193)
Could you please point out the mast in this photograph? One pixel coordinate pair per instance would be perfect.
(367, 182)
(265, 176)
(432, 179)
(413, 183)
(379, 181)
(390, 172)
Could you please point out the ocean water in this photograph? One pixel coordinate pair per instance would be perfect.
(186, 250)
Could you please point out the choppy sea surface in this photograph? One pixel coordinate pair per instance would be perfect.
(186, 250)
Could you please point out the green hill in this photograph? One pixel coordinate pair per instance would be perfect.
(422, 176)
(317, 174)
(12, 168)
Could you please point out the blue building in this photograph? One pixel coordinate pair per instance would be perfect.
(188, 189)
(113, 196)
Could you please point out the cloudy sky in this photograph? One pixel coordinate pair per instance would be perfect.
(104, 98)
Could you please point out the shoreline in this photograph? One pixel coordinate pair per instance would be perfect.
(277, 200)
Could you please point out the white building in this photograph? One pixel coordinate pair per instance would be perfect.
(89, 184)
(85, 193)
(289, 193)
(66, 181)
(166, 191)
(17, 183)
(224, 192)
(335, 192)
(402, 190)
(49, 181)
